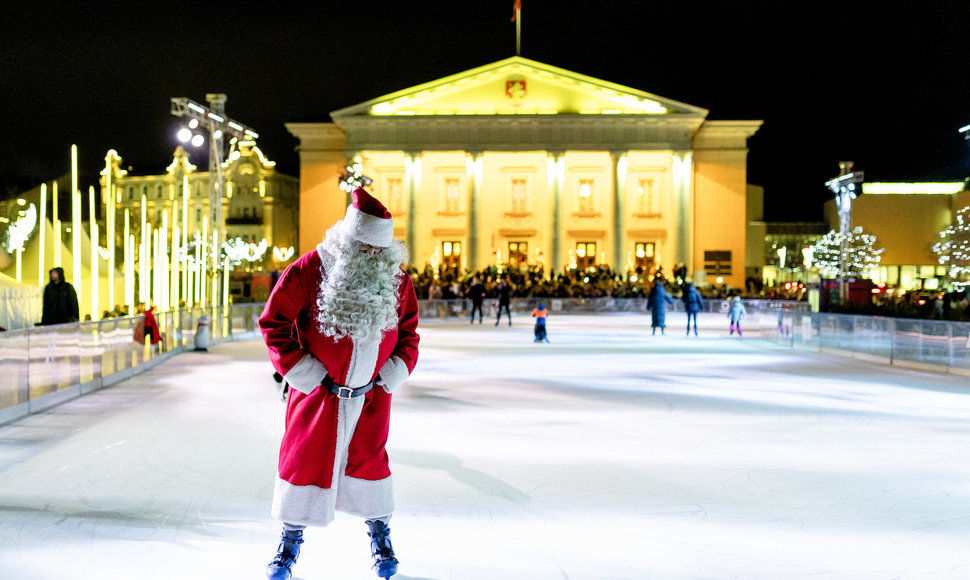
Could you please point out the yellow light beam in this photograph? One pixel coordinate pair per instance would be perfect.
(43, 232)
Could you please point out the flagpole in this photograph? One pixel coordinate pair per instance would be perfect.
(518, 28)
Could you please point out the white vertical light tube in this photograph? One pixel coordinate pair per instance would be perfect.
(57, 230)
(95, 277)
(161, 267)
(204, 264)
(76, 229)
(128, 259)
(143, 287)
(183, 261)
(43, 231)
(176, 251)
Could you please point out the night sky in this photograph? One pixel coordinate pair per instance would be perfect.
(886, 88)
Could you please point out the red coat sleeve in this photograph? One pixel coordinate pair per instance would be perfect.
(287, 302)
(405, 355)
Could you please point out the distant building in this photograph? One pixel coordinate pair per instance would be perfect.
(259, 202)
(906, 219)
(522, 164)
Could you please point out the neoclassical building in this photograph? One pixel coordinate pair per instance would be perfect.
(521, 163)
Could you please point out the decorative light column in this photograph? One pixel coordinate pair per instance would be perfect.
(619, 160)
(682, 173)
(412, 171)
(473, 168)
(556, 169)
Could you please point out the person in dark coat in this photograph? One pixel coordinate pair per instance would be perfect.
(60, 300)
(657, 302)
(477, 294)
(504, 300)
(693, 304)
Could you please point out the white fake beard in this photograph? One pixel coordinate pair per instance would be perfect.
(358, 297)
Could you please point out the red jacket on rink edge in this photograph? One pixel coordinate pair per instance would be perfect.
(304, 356)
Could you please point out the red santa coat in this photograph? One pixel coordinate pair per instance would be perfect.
(332, 454)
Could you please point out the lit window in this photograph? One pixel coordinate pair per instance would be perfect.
(518, 254)
(518, 201)
(452, 196)
(647, 201)
(585, 196)
(585, 254)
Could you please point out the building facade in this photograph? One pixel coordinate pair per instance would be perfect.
(259, 202)
(521, 164)
(906, 219)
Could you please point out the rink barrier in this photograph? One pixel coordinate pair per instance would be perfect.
(45, 366)
(461, 308)
(934, 345)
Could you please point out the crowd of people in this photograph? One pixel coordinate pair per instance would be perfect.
(593, 282)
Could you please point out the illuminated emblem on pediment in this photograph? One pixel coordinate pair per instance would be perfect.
(515, 91)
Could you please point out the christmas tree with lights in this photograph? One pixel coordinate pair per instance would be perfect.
(863, 255)
(954, 249)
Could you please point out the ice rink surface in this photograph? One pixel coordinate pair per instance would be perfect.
(606, 454)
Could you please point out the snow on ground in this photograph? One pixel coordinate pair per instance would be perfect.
(606, 454)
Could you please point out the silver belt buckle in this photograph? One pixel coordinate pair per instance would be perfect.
(340, 392)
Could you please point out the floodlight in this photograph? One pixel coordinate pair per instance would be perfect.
(184, 135)
(193, 123)
(197, 140)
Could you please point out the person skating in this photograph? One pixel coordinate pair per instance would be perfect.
(735, 313)
(477, 294)
(504, 300)
(693, 302)
(657, 302)
(340, 327)
(540, 314)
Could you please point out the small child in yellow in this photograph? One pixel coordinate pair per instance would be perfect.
(540, 313)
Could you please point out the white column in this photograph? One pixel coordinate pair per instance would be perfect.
(682, 173)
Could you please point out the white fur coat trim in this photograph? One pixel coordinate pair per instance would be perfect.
(306, 375)
(393, 373)
(369, 229)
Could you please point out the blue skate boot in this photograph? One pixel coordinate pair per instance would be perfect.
(385, 564)
(286, 555)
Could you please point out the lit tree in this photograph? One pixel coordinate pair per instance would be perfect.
(954, 251)
(862, 253)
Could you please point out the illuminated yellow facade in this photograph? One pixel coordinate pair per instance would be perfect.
(521, 164)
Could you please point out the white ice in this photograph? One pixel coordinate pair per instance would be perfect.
(605, 454)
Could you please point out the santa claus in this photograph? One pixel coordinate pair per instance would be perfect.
(340, 326)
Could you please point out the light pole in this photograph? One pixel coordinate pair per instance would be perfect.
(846, 187)
(213, 121)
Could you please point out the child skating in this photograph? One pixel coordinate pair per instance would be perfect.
(735, 313)
(540, 313)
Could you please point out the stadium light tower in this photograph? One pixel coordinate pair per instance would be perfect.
(212, 121)
(846, 187)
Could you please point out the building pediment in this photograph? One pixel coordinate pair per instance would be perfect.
(518, 86)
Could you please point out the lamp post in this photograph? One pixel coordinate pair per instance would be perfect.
(846, 187)
(212, 121)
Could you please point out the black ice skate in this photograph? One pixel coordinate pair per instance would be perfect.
(385, 564)
(286, 555)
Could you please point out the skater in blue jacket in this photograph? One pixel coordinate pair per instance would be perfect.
(657, 302)
(693, 304)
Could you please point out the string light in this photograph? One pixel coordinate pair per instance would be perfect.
(862, 254)
(954, 251)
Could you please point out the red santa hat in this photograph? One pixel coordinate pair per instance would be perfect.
(368, 221)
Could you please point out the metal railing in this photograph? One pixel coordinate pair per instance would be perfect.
(940, 345)
(47, 365)
(460, 307)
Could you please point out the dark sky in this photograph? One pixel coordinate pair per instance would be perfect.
(887, 88)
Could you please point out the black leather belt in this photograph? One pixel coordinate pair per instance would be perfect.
(345, 392)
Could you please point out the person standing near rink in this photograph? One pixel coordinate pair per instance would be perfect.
(735, 313)
(340, 327)
(693, 304)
